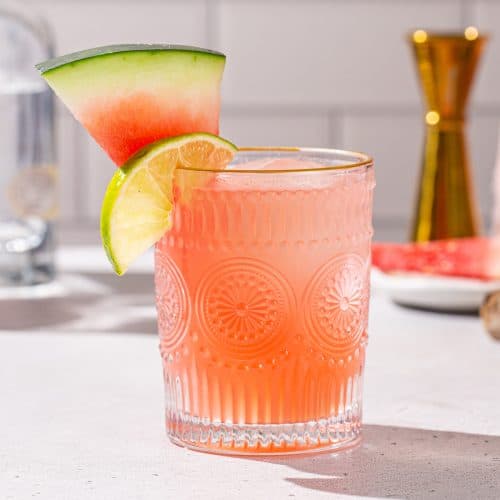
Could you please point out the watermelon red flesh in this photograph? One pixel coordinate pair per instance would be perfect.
(477, 258)
(130, 96)
(124, 125)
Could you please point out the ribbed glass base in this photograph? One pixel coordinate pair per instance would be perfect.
(332, 434)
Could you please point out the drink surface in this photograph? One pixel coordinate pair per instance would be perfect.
(262, 288)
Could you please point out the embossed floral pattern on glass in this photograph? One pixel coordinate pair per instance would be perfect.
(262, 297)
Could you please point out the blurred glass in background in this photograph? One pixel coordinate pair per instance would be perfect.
(28, 174)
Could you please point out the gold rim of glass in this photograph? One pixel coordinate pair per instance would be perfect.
(353, 160)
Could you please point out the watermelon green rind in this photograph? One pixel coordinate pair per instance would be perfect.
(169, 71)
(74, 57)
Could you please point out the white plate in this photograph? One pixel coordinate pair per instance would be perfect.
(433, 292)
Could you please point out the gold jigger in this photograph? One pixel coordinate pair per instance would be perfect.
(446, 206)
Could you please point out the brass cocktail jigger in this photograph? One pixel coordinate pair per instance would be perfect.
(446, 206)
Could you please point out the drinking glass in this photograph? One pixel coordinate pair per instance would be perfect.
(28, 174)
(262, 295)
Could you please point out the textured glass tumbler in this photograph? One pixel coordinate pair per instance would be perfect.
(262, 296)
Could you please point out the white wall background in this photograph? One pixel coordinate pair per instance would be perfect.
(334, 73)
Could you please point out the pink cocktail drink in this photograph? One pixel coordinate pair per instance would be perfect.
(262, 295)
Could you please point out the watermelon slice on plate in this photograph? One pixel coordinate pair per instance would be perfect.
(448, 275)
(476, 258)
(129, 96)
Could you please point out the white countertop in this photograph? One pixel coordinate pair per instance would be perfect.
(81, 410)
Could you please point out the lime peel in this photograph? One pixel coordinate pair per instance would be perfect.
(137, 207)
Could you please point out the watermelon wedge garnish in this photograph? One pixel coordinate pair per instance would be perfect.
(129, 96)
(477, 258)
(152, 108)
